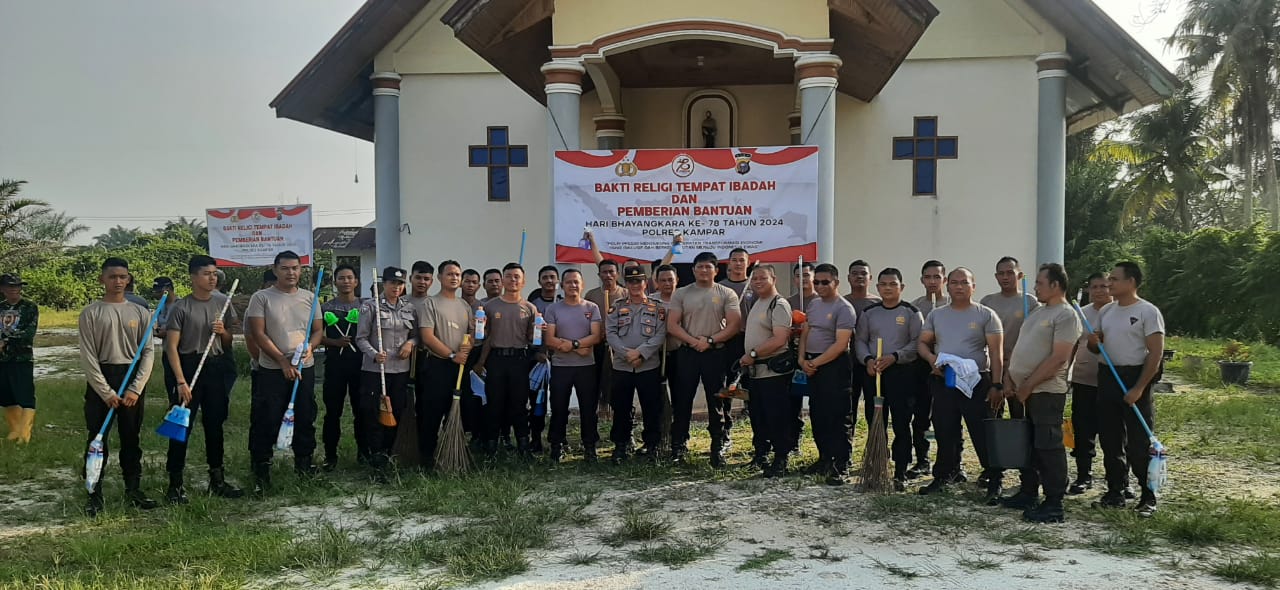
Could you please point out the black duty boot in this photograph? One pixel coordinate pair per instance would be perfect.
(1021, 500)
(937, 485)
(1081, 485)
(331, 462)
(261, 479)
(1048, 511)
(679, 453)
(620, 455)
(1147, 505)
(508, 443)
(589, 453)
(1128, 492)
(820, 467)
(303, 465)
(922, 468)
(717, 453)
(524, 447)
(1111, 499)
(557, 452)
(176, 494)
(535, 443)
(994, 489)
(760, 460)
(133, 491)
(218, 485)
(95, 505)
(779, 466)
(838, 475)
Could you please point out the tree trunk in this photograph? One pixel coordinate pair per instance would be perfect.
(1272, 199)
(1244, 159)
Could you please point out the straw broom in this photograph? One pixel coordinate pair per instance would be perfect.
(406, 445)
(452, 455)
(875, 461)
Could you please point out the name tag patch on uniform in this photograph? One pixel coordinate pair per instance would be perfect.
(900, 320)
(973, 325)
(497, 315)
(715, 301)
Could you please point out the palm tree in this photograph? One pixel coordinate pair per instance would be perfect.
(118, 237)
(1236, 43)
(189, 227)
(15, 211)
(1167, 156)
(53, 228)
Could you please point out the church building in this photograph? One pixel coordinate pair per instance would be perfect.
(940, 125)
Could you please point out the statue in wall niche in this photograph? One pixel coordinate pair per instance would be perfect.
(709, 131)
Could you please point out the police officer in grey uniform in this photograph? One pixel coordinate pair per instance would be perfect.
(386, 356)
(636, 330)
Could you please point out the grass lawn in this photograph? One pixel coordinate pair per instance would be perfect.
(1220, 518)
(59, 318)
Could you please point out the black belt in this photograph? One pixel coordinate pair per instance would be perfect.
(509, 352)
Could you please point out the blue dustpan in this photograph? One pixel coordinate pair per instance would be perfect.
(176, 424)
(477, 388)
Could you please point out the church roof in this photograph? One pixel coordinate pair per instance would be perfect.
(1111, 74)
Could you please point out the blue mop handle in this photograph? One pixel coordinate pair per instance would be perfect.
(1106, 357)
(137, 354)
(1026, 307)
(314, 304)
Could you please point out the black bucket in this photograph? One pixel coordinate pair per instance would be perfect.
(1008, 443)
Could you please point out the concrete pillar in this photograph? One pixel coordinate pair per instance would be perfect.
(816, 80)
(1051, 158)
(386, 167)
(564, 103)
(611, 131)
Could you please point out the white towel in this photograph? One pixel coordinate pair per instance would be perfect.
(967, 376)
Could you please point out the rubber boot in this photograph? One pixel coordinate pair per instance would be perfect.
(261, 479)
(28, 420)
(1047, 512)
(95, 505)
(176, 494)
(13, 415)
(218, 485)
(133, 491)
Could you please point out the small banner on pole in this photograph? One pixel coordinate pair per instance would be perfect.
(252, 236)
(633, 202)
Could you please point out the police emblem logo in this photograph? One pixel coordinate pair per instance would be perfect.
(829, 316)
(1017, 314)
(625, 168)
(743, 160)
(900, 320)
(497, 315)
(973, 325)
(715, 301)
(133, 324)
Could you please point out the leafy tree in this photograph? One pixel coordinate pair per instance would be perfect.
(119, 237)
(1236, 45)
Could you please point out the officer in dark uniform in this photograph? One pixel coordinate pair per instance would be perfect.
(636, 330)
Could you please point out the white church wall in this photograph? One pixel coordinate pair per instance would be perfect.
(986, 28)
(428, 46)
(445, 202)
(985, 206)
(655, 116)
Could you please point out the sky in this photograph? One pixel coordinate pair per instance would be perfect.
(134, 112)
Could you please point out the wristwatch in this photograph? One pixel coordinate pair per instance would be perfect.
(753, 353)
(453, 355)
(867, 361)
(711, 341)
(576, 344)
(997, 386)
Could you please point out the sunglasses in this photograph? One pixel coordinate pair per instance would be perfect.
(823, 282)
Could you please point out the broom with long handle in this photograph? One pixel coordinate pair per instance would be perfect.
(176, 424)
(406, 443)
(799, 380)
(452, 455)
(1158, 468)
(875, 461)
(96, 456)
(386, 415)
(284, 438)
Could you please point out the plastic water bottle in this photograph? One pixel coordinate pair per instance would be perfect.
(538, 325)
(480, 320)
(676, 246)
(93, 466)
(585, 242)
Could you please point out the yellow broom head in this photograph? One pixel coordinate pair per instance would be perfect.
(386, 416)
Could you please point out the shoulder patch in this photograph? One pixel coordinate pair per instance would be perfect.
(908, 304)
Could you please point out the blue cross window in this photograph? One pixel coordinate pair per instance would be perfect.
(497, 156)
(924, 148)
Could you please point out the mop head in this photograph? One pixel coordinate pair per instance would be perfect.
(477, 388)
(875, 461)
(1157, 468)
(93, 464)
(284, 439)
(176, 424)
(452, 455)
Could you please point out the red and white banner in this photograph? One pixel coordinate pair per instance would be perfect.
(252, 236)
(633, 201)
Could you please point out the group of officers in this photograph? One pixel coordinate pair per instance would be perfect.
(647, 340)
